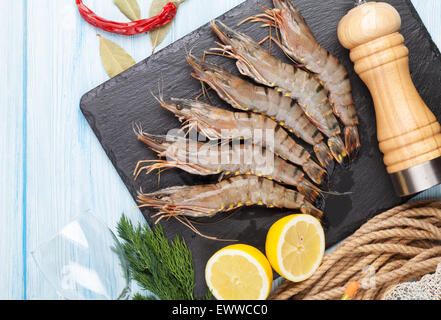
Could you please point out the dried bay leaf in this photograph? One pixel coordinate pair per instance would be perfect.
(158, 35)
(129, 8)
(115, 59)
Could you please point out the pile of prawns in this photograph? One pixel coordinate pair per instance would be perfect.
(305, 98)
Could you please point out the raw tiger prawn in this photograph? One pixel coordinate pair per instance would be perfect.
(244, 95)
(299, 43)
(216, 123)
(255, 62)
(210, 159)
(227, 195)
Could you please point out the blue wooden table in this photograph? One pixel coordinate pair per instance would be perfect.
(52, 167)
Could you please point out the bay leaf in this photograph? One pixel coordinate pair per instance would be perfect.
(129, 8)
(158, 35)
(115, 59)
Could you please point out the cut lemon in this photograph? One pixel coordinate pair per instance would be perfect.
(295, 246)
(239, 272)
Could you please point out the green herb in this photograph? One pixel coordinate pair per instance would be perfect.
(115, 59)
(129, 8)
(139, 296)
(161, 267)
(208, 295)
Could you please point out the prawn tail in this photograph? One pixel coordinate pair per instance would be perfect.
(312, 194)
(338, 151)
(352, 141)
(308, 208)
(324, 156)
(317, 174)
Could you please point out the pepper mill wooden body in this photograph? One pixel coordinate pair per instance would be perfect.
(408, 133)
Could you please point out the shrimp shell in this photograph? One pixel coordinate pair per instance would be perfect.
(211, 159)
(216, 123)
(232, 193)
(255, 62)
(244, 95)
(299, 43)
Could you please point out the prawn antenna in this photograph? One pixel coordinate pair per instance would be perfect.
(186, 222)
(223, 50)
(224, 54)
(268, 17)
(219, 221)
(159, 98)
(137, 128)
(190, 53)
(205, 93)
(161, 87)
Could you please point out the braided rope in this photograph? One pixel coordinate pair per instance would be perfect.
(398, 245)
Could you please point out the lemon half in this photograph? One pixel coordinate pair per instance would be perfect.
(295, 246)
(239, 272)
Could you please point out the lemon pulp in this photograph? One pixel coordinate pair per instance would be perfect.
(295, 246)
(239, 272)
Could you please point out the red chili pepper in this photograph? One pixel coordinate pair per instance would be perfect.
(128, 28)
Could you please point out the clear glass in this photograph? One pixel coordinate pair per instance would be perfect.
(84, 261)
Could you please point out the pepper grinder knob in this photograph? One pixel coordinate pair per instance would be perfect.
(408, 132)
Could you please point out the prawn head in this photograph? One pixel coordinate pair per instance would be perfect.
(172, 150)
(197, 115)
(243, 48)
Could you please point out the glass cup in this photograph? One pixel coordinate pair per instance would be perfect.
(85, 261)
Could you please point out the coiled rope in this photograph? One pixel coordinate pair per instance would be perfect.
(398, 245)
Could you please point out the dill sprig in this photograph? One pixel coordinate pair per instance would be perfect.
(161, 267)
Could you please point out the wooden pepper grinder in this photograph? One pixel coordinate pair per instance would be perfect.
(408, 133)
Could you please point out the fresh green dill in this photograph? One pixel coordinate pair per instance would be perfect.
(139, 296)
(161, 267)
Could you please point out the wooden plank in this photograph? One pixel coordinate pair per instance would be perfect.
(68, 172)
(429, 11)
(12, 77)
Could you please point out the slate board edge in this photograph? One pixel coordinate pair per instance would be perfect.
(114, 81)
(164, 50)
(415, 14)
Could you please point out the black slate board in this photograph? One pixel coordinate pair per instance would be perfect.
(113, 107)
